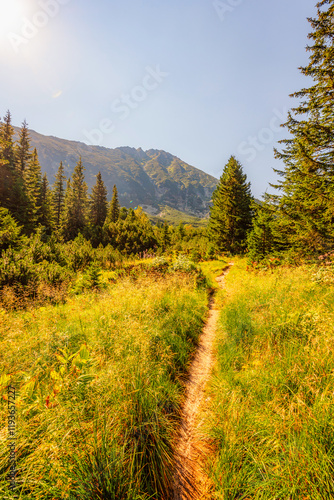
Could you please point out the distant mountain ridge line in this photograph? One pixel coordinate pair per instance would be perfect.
(148, 178)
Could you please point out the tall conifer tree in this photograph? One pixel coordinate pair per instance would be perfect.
(58, 197)
(231, 213)
(9, 181)
(33, 187)
(165, 236)
(98, 202)
(7, 141)
(22, 150)
(46, 215)
(76, 203)
(67, 228)
(307, 185)
(114, 209)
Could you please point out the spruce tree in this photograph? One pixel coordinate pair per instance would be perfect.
(165, 237)
(58, 197)
(7, 141)
(231, 213)
(46, 215)
(98, 203)
(13, 194)
(307, 182)
(8, 178)
(114, 208)
(22, 150)
(33, 187)
(76, 203)
(67, 226)
(260, 240)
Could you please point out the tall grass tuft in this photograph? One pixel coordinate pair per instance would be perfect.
(273, 389)
(99, 387)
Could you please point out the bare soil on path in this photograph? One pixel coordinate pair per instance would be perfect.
(191, 482)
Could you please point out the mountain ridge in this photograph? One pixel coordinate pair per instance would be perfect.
(148, 178)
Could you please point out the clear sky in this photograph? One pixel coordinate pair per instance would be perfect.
(201, 79)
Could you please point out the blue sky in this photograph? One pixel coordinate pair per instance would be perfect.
(201, 79)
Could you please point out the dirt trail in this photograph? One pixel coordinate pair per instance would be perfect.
(191, 483)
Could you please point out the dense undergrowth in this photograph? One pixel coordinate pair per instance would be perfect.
(36, 272)
(271, 414)
(98, 384)
(42, 269)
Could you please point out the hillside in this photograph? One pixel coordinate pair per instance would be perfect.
(174, 217)
(150, 178)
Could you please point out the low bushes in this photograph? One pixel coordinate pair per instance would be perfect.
(35, 271)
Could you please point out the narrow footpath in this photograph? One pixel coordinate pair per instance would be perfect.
(191, 482)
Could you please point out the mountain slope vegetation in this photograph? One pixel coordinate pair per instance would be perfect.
(146, 178)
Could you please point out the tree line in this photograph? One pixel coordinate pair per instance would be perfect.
(297, 221)
(66, 210)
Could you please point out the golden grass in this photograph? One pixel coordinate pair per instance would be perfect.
(98, 383)
(273, 389)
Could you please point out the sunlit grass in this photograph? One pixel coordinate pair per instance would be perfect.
(271, 415)
(98, 388)
(214, 268)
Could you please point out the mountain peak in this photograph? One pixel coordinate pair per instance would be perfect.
(148, 178)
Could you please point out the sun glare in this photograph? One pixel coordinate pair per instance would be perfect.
(11, 15)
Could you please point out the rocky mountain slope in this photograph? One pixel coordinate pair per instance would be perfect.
(150, 178)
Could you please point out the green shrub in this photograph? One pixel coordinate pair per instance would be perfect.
(80, 253)
(195, 256)
(17, 268)
(31, 273)
(9, 230)
(53, 273)
(211, 253)
(108, 257)
(182, 263)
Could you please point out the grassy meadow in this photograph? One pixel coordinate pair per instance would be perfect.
(99, 386)
(100, 377)
(272, 394)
